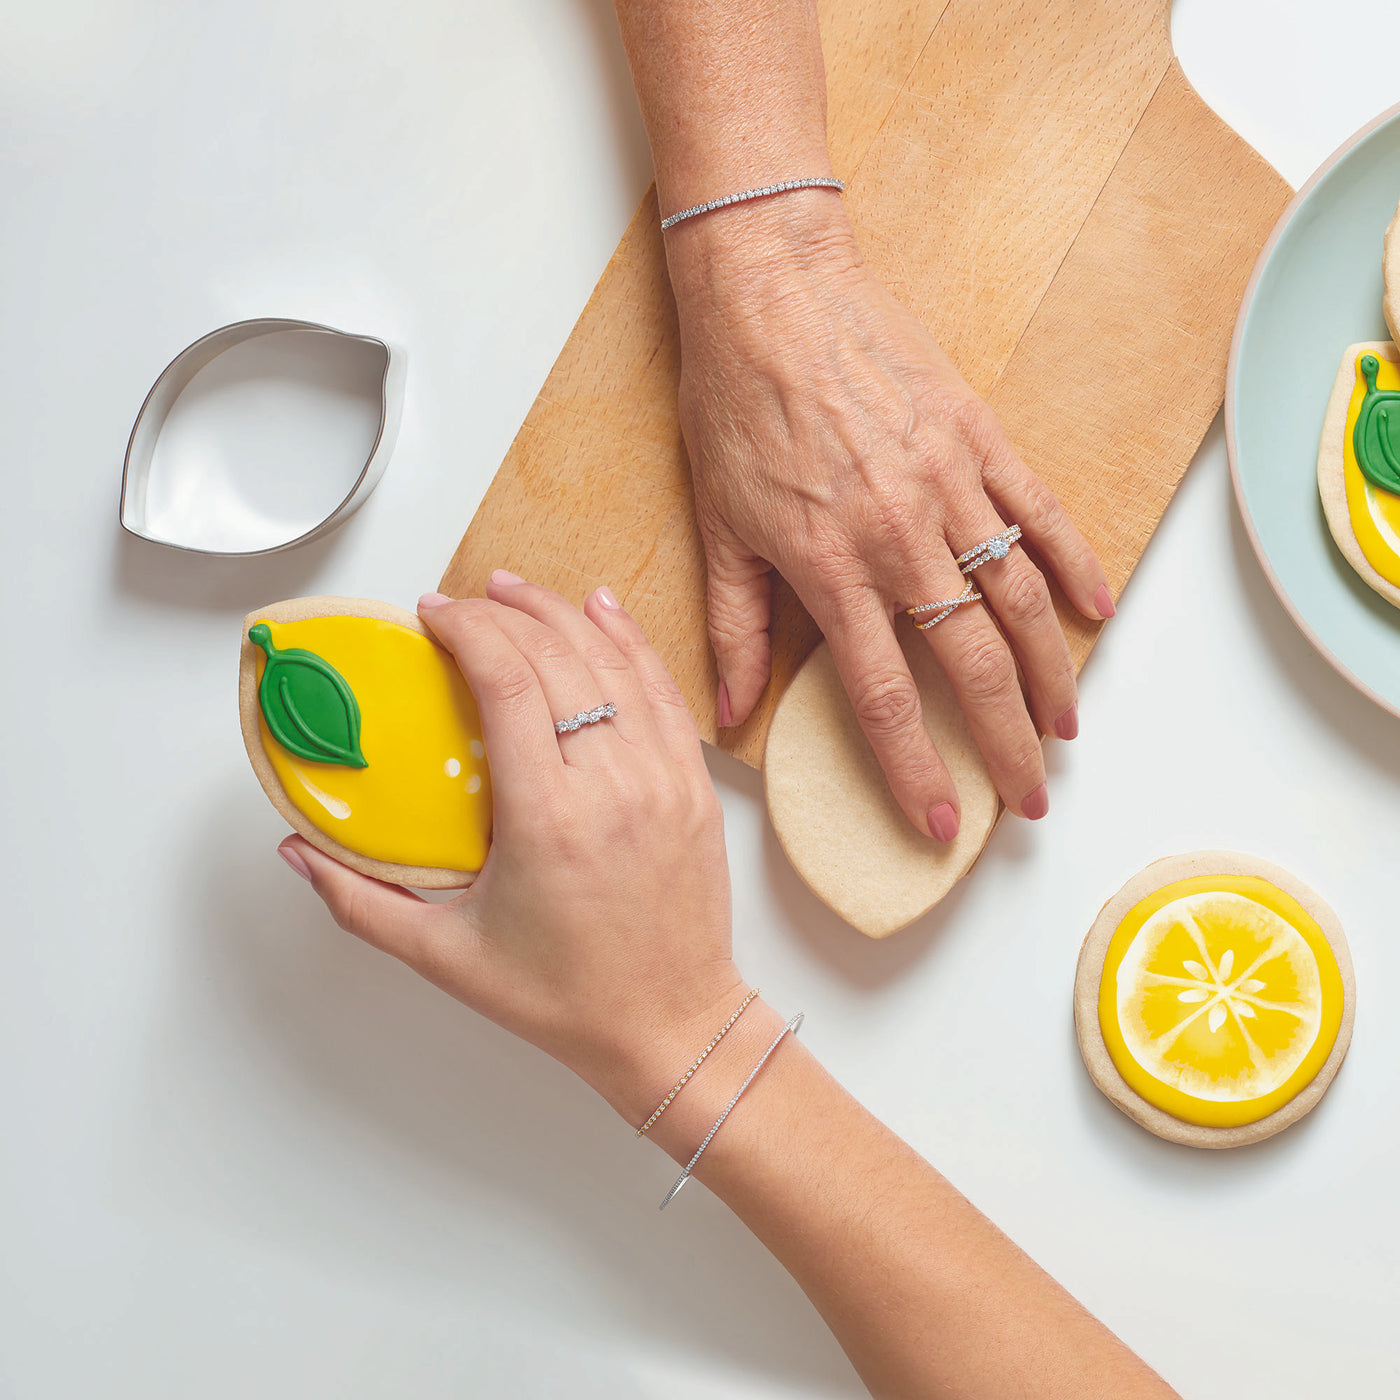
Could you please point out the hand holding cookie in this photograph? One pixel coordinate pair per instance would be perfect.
(599, 926)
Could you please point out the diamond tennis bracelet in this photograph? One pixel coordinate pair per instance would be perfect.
(828, 182)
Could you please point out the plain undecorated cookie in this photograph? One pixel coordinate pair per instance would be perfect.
(831, 806)
(1089, 973)
(1331, 460)
(298, 610)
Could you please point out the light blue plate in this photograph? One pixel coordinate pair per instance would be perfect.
(1315, 290)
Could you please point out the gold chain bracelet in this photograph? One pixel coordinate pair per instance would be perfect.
(700, 1059)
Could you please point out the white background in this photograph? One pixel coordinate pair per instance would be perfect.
(243, 1155)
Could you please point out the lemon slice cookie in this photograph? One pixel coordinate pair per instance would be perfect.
(1358, 463)
(366, 739)
(1213, 999)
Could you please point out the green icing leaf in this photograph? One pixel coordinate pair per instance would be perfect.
(1376, 438)
(308, 706)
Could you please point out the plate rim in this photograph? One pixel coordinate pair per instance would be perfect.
(1231, 450)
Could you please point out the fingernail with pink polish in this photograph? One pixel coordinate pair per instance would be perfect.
(1067, 726)
(943, 821)
(293, 858)
(1103, 601)
(1035, 805)
(505, 578)
(433, 600)
(726, 712)
(605, 597)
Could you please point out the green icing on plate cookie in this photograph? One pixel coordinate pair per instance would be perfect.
(1376, 438)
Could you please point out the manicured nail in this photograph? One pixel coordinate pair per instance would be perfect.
(1103, 601)
(505, 578)
(943, 821)
(1067, 726)
(1035, 805)
(604, 595)
(726, 713)
(433, 600)
(293, 858)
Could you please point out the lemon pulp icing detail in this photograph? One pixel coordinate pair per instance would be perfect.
(1374, 513)
(425, 797)
(1220, 999)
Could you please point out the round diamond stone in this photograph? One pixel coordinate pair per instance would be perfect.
(998, 548)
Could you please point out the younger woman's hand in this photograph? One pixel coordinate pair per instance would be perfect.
(599, 928)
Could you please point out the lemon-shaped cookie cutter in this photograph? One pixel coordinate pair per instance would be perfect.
(181, 528)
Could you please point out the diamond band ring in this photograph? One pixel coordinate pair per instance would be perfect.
(998, 547)
(567, 726)
(944, 607)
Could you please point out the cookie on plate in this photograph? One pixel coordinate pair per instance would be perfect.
(1214, 999)
(366, 739)
(1390, 275)
(1358, 464)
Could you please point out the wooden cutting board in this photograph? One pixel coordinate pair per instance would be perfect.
(1038, 182)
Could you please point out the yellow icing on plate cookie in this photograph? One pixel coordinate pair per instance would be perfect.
(423, 796)
(1220, 999)
(1374, 513)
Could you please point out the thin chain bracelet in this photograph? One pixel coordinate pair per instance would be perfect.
(794, 1026)
(826, 182)
(699, 1060)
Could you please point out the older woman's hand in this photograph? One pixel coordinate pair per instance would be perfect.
(599, 928)
(831, 438)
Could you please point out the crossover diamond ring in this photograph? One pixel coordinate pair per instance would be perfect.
(945, 607)
(585, 717)
(998, 547)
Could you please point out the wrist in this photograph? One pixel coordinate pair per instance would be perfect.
(754, 252)
(689, 1117)
(640, 1077)
(642, 1060)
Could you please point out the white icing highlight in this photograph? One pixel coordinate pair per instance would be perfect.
(478, 749)
(451, 767)
(474, 783)
(338, 809)
(1386, 529)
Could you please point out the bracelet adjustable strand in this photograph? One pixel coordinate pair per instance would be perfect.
(827, 182)
(699, 1060)
(792, 1026)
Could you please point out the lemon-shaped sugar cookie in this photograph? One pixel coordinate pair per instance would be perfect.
(1358, 464)
(1213, 999)
(367, 739)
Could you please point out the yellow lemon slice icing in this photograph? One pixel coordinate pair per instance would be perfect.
(423, 796)
(1374, 513)
(1220, 999)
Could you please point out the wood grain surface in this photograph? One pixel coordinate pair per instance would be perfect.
(1040, 184)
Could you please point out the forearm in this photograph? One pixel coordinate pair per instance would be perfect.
(732, 94)
(925, 1295)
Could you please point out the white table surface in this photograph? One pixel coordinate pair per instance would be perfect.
(244, 1155)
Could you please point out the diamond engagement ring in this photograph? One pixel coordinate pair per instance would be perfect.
(567, 726)
(998, 547)
(944, 607)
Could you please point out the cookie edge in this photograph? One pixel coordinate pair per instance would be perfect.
(1089, 972)
(1390, 275)
(423, 877)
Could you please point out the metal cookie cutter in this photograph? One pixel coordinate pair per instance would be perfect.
(188, 513)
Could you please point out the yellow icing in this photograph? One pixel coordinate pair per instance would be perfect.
(1375, 514)
(1220, 999)
(425, 798)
